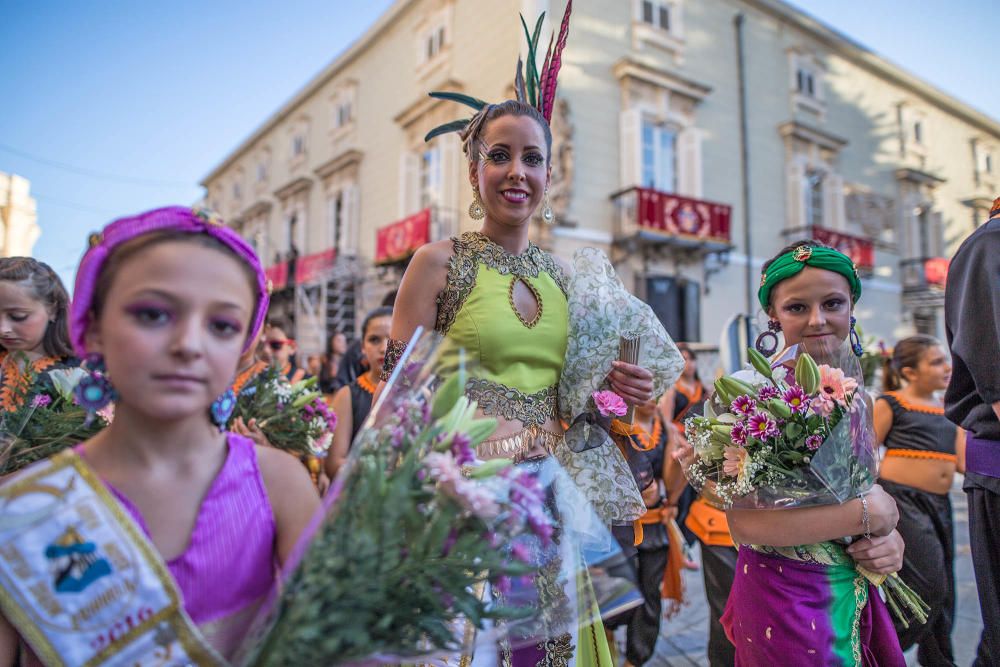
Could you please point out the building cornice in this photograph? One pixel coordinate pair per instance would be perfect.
(294, 186)
(868, 59)
(345, 159)
(259, 207)
(813, 135)
(635, 69)
(425, 103)
(345, 58)
(918, 176)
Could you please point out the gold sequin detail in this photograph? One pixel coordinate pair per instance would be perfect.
(472, 249)
(499, 400)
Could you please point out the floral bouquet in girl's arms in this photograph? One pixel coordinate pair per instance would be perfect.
(794, 432)
(48, 418)
(293, 417)
(413, 528)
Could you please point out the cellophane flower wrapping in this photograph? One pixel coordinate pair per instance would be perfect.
(46, 421)
(293, 417)
(422, 550)
(601, 310)
(795, 431)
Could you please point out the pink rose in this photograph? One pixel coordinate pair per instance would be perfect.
(609, 403)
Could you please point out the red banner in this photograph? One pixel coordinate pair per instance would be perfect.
(861, 251)
(681, 216)
(401, 239)
(277, 275)
(936, 271)
(311, 268)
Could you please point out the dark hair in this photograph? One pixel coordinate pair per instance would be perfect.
(470, 135)
(47, 288)
(906, 354)
(684, 347)
(122, 253)
(381, 311)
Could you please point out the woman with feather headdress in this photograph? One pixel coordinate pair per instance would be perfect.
(506, 303)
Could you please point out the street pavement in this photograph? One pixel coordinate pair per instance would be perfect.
(683, 638)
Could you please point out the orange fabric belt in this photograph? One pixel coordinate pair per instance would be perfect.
(709, 524)
(919, 454)
(672, 587)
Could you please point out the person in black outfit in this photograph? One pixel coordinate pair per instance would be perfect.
(353, 402)
(972, 401)
(920, 464)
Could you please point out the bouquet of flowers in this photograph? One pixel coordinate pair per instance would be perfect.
(293, 417)
(794, 433)
(413, 529)
(46, 421)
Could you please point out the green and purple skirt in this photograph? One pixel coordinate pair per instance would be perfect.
(805, 610)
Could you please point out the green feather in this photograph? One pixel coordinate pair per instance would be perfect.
(532, 61)
(467, 100)
(453, 126)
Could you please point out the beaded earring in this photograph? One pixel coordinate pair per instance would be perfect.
(222, 408)
(767, 341)
(94, 391)
(547, 215)
(476, 209)
(856, 338)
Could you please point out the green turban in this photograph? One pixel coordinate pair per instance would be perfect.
(792, 262)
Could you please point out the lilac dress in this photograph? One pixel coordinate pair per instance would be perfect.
(229, 565)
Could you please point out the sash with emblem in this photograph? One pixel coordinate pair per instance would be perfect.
(82, 585)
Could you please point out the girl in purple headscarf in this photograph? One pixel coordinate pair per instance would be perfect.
(165, 302)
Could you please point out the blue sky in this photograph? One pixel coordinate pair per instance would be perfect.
(146, 97)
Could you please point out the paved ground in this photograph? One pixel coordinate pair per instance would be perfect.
(682, 640)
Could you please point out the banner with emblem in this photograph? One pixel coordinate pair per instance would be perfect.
(82, 585)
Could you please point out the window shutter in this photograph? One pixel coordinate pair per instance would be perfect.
(630, 153)
(352, 220)
(689, 162)
(935, 235)
(795, 201)
(409, 183)
(451, 177)
(833, 202)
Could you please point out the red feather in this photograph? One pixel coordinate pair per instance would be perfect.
(549, 93)
(545, 75)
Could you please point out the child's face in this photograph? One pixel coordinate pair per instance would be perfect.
(933, 371)
(281, 347)
(23, 318)
(376, 340)
(814, 308)
(172, 328)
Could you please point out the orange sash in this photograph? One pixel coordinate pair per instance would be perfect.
(709, 524)
(920, 454)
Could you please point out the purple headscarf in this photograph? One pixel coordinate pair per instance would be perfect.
(168, 219)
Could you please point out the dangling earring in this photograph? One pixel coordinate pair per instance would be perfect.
(222, 408)
(856, 338)
(547, 214)
(476, 209)
(767, 341)
(94, 390)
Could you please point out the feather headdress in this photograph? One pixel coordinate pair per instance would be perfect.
(531, 86)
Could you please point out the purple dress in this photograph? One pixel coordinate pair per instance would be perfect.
(229, 565)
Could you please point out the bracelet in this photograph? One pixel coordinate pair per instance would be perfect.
(866, 519)
(393, 351)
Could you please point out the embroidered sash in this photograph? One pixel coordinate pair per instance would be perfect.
(82, 585)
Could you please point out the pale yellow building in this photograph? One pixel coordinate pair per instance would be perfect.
(18, 217)
(655, 159)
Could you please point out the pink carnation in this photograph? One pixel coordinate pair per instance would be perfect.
(609, 403)
(834, 384)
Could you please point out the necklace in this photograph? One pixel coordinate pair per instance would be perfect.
(16, 382)
(366, 384)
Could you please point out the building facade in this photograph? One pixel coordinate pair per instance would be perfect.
(18, 217)
(693, 140)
